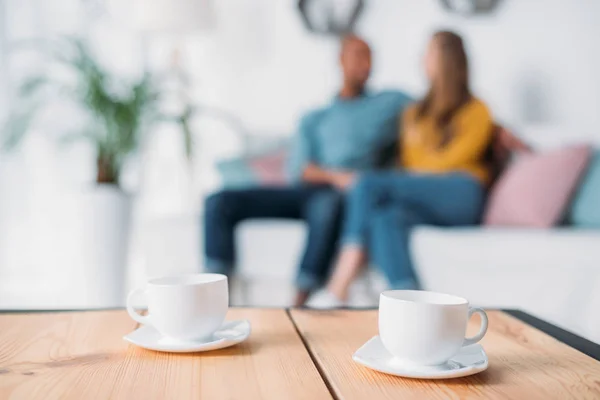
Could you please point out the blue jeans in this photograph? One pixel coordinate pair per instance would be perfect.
(319, 206)
(383, 207)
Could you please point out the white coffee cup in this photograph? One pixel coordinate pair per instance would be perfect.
(425, 328)
(186, 307)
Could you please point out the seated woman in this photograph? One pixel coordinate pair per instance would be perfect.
(441, 177)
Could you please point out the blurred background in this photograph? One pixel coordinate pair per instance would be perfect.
(219, 87)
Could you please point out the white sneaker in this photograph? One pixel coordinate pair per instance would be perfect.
(324, 300)
(360, 294)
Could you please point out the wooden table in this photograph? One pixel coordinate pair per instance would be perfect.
(291, 354)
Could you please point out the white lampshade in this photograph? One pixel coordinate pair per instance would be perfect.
(173, 16)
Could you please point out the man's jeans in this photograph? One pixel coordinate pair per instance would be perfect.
(319, 206)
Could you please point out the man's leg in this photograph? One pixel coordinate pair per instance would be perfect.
(225, 209)
(322, 211)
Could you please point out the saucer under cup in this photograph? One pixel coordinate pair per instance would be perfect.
(469, 360)
(228, 334)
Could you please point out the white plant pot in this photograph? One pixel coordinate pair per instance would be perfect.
(73, 252)
(104, 225)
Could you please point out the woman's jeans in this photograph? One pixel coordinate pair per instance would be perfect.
(384, 207)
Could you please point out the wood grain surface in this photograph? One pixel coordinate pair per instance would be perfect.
(82, 356)
(524, 362)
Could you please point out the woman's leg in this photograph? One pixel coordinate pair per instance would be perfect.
(347, 268)
(442, 199)
(400, 203)
(390, 230)
(359, 205)
(352, 256)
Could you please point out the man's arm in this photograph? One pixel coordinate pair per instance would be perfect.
(304, 165)
(312, 173)
(387, 151)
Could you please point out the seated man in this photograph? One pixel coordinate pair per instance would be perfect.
(332, 144)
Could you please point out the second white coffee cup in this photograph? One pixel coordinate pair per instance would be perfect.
(186, 307)
(425, 328)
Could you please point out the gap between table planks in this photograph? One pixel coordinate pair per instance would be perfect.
(525, 363)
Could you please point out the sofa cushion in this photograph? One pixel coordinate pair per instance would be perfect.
(585, 210)
(536, 189)
(504, 145)
(263, 163)
(269, 248)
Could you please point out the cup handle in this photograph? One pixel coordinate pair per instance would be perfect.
(145, 320)
(482, 330)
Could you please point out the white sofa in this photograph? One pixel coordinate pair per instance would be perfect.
(553, 274)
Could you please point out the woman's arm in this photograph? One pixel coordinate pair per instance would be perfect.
(474, 132)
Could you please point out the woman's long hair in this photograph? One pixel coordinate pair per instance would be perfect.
(450, 88)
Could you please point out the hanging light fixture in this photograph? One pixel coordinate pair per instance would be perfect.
(95, 9)
(330, 17)
(173, 16)
(470, 7)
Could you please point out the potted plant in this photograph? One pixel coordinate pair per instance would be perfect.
(117, 116)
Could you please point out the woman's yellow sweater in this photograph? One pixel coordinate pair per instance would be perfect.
(471, 130)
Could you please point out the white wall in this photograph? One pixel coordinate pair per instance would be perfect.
(534, 61)
(530, 51)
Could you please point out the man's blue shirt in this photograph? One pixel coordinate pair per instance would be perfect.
(349, 133)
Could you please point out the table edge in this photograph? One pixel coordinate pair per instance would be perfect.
(571, 339)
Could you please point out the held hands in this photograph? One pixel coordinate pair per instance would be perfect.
(343, 180)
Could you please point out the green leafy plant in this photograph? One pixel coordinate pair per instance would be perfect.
(118, 113)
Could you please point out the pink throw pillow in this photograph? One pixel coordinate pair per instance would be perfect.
(535, 191)
(270, 169)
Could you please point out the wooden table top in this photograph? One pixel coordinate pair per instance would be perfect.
(524, 363)
(296, 354)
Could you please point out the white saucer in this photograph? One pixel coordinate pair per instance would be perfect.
(230, 333)
(470, 360)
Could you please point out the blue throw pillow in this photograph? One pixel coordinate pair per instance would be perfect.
(236, 173)
(585, 210)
